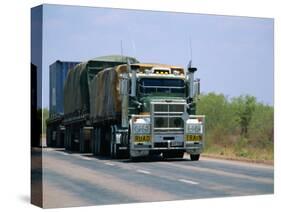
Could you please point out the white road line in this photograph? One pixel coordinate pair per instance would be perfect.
(76, 155)
(109, 164)
(48, 149)
(63, 153)
(86, 158)
(82, 157)
(143, 171)
(188, 181)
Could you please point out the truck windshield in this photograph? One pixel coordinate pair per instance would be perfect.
(156, 85)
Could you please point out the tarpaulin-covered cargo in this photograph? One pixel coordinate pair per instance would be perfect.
(76, 88)
(105, 93)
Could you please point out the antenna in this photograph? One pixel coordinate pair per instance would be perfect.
(190, 48)
(190, 72)
(129, 29)
(121, 46)
(134, 47)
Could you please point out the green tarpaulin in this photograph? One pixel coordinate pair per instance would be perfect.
(83, 85)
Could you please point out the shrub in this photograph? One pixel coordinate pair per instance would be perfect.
(240, 125)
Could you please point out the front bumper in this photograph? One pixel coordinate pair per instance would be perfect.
(146, 149)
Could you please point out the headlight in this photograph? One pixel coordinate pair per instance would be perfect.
(177, 122)
(159, 122)
(194, 128)
(141, 128)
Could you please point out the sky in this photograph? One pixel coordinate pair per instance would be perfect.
(233, 55)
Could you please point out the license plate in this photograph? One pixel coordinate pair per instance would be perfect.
(193, 137)
(177, 143)
(142, 138)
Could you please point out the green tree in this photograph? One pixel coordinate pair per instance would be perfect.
(240, 126)
(220, 119)
(261, 128)
(217, 110)
(244, 107)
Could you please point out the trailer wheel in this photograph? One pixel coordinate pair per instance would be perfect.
(113, 145)
(96, 141)
(136, 159)
(194, 157)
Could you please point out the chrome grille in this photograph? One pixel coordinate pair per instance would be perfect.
(167, 116)
(161, 108)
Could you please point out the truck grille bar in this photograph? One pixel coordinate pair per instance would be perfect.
(167, 117)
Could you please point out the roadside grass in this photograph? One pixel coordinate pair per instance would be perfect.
(240, 128)
(245, 153)
(223, 144)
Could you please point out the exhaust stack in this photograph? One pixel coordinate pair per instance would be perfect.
(124, 88)
(133, 79)
(191, 71)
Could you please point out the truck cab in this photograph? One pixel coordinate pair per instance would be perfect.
(161, 111)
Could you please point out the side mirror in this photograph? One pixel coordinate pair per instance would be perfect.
(192, 70)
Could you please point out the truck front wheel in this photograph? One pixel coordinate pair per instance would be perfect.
(194, 157)
(173, 154)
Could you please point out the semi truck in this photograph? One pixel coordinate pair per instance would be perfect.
(119, 107)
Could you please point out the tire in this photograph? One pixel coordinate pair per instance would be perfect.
(118, 153)
(121, 154)
(194, 157)
(136, 159)
(173, 154)
(114, 153)
(94, 141)
(81, 140)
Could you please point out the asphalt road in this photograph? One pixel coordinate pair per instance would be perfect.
(73, 179)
